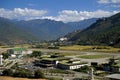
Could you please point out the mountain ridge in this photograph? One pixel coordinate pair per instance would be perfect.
(33, 30)
(105, 31)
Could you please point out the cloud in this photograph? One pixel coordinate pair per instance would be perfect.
(30, 4)
(73, 15)
(116, 1)
(18, 13)
(64, 15)
(109, 1)
(115, 6)
(103, 1)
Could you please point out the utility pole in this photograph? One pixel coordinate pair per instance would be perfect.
(91, 76)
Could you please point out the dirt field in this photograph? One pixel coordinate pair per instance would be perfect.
(11, 78)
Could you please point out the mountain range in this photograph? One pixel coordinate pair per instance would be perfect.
(9, 33)
(13, 31)
(105, 31)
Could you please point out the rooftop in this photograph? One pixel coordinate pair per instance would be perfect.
(19, 49)
(114, 76)
(59, 59)
(117, 65)
(66, 62)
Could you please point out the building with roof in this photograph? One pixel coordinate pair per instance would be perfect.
(71, 64)
(113, 77)
(113, 65)
(19, 52)
(46, 63)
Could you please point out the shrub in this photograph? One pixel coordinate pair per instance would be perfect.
(7, 72)
(38, 74)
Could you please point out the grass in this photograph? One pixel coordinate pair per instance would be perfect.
(91, 48)
(75, 47)
(117, 65)
(59, 71)
(94, 56)
(53, 78)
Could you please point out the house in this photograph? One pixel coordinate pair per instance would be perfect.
(113, 65)
(116, 68)
(71, 64)
(45, 63)
(63, 39)
(113, 77)
(19, 52)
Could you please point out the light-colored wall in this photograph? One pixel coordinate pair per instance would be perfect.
(77, 66)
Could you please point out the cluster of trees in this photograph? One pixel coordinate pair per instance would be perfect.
(36, 54)
(53, 47)
(105, 31)
(23, 73)
(56, 55)
(5, 55)
(84, 69)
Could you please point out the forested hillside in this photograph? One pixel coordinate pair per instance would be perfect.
(106, 31)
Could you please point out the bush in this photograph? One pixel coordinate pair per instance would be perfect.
(5, 55)
(7, 72)
(38, 74)
(84, 69)
(22, 73)
(53, 47)
(36, 54)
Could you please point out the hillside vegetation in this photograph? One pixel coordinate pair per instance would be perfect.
(13, 31)
(105, 31)
(10, 33)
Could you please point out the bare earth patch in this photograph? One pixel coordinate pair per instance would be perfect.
(12, 78)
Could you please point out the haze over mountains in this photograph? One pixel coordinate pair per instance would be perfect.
(13, 31)
(10, 33)
(105, 31)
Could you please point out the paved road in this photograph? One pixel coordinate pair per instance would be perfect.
(74, 52)
(59, 51)
(77, 53)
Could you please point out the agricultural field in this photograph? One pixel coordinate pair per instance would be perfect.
(75, 47)
(95, 56)
(91, 48)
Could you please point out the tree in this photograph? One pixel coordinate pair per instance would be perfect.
(36, 54)
(84, 69)
(5, 55)
(22, 73)
(7, 72)
(38, 74)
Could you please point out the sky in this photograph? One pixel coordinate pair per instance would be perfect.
(59, 10)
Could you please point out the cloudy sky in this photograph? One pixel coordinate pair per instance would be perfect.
(59, 10)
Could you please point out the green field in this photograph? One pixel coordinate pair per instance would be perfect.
(94, 56)
(91, 48)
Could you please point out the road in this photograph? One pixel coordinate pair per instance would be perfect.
(74, 52)
(78, 53)
(58, 50)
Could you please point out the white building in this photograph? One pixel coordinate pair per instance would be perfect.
(21, 51)
(63, 39)
(69, 65)
(1, 56)
(18, 52)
